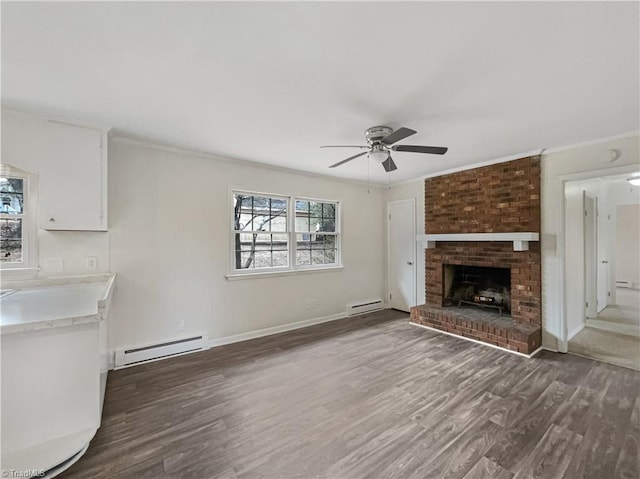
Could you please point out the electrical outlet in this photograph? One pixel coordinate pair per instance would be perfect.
(92, 263)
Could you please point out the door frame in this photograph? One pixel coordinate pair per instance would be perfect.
(590, 224)
(560, 183)
(412, 202)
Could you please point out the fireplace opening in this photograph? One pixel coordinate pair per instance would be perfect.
(484, 287)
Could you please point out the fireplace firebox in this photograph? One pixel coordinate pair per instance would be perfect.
(479, 286)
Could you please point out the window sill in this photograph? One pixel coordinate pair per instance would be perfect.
(19, 273)
(288, 272)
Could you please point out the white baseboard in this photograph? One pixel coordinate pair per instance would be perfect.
(259, 333)
(517, 353)
(575, 331)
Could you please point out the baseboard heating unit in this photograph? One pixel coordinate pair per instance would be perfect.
(129, 357)
(364, 307)
(623, 284)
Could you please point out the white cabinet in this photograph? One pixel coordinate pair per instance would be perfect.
(73, 179)
(71, 164)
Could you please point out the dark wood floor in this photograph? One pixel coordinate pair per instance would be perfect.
(367, 397)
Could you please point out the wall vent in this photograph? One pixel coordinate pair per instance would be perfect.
(133, 356)
(365, 307)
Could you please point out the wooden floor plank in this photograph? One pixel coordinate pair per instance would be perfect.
(366, 397)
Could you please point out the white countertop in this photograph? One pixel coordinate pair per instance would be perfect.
(55, 303)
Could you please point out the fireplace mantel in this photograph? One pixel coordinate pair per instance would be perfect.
(520, 240)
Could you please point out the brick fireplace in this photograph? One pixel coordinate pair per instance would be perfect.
(502, 198)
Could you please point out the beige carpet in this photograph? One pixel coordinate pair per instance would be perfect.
(614, 348)
(614, 337)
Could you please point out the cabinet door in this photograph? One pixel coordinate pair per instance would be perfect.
(73, 179)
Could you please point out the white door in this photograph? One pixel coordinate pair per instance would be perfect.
(401, 241)
(590, 257)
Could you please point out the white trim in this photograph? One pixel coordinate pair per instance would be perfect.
(559, 193)
(291, 233)
(123, 137)
(473, 166)
(520, 240)
(57, 116)
(479, 342)
(28, 267)
(285, 272)
(412, 201)
(259, 333)
(591, 142)
(526, 154)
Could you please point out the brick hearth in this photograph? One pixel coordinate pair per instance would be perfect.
(498, 198)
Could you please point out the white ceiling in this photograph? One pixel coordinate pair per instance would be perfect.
(271, 82)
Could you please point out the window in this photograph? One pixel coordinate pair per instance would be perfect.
(261, 233)
(16, 220)
(283, 233)
(315, 232)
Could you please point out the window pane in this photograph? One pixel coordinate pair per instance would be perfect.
(302, 206)
(279, 223)
(317, 257)
(330, 256)
(259, 213)
(264, 250)
(279, 242)
(11, 196)
(303, 241)
(327, 224)
(302, 223)
(11, 240)
(328, 210)
(280, 258)
(329, 241)
(303, 257)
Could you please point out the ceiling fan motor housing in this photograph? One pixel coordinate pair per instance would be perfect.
(377, 133)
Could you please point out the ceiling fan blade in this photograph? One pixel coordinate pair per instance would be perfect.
(433, 150)
(344, 146)
(389, 165)
(399, 134)
(348, 159)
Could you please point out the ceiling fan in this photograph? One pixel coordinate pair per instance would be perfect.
(380, 139)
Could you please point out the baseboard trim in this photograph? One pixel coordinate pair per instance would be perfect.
(517, 353)
(259, 333)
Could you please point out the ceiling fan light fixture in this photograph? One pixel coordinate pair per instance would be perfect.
(379, 155)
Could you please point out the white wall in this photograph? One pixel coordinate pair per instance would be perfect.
(406, 191)
(628, 244)
(169, 243)
(22, 146)
(576, 163)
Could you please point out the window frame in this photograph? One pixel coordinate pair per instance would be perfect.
(291, 233)
(337, 233)
(27, 268)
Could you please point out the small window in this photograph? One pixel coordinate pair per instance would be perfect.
(12, 219)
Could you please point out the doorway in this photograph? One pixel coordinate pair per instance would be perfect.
(401, 254)
(602, 226)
